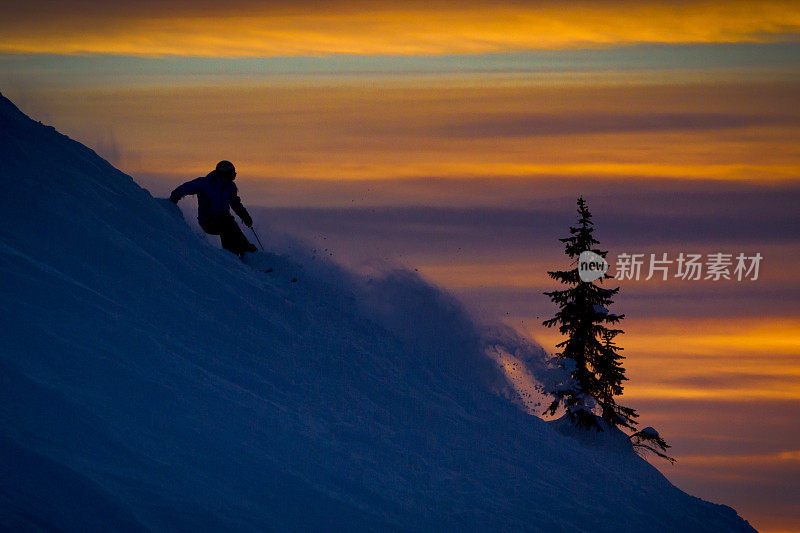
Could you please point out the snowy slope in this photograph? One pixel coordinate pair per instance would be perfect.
(151, 381)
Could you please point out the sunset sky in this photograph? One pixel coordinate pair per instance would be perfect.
(453, 138)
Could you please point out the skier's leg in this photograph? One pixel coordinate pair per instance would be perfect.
(233, 239)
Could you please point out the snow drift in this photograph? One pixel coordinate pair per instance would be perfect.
(151, 381)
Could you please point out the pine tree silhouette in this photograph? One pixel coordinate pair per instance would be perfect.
(589, 353)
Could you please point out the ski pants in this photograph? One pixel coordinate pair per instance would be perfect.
(229, 232)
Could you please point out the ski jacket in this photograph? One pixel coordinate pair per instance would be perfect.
(215, 196)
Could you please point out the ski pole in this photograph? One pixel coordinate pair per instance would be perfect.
(259, 240)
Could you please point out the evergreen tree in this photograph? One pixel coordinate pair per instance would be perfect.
(588, 352)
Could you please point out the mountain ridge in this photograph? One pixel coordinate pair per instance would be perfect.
(152, 381)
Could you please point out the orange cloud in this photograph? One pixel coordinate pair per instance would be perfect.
(356, 130)
(718, 359)
(776, 457)
(410, 29)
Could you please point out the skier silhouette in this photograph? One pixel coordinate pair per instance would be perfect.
(216, 194)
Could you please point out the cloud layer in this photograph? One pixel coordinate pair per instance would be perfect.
(251, 29)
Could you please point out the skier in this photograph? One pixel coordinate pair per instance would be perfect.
(216, 194)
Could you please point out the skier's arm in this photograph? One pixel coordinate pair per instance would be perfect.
(190, 187)
(238, 208)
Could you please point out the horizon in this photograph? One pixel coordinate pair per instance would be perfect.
(388, 140)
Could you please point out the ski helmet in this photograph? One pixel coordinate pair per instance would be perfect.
(226, 167)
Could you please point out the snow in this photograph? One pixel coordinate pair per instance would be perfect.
(152, 381)
(649, 432)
